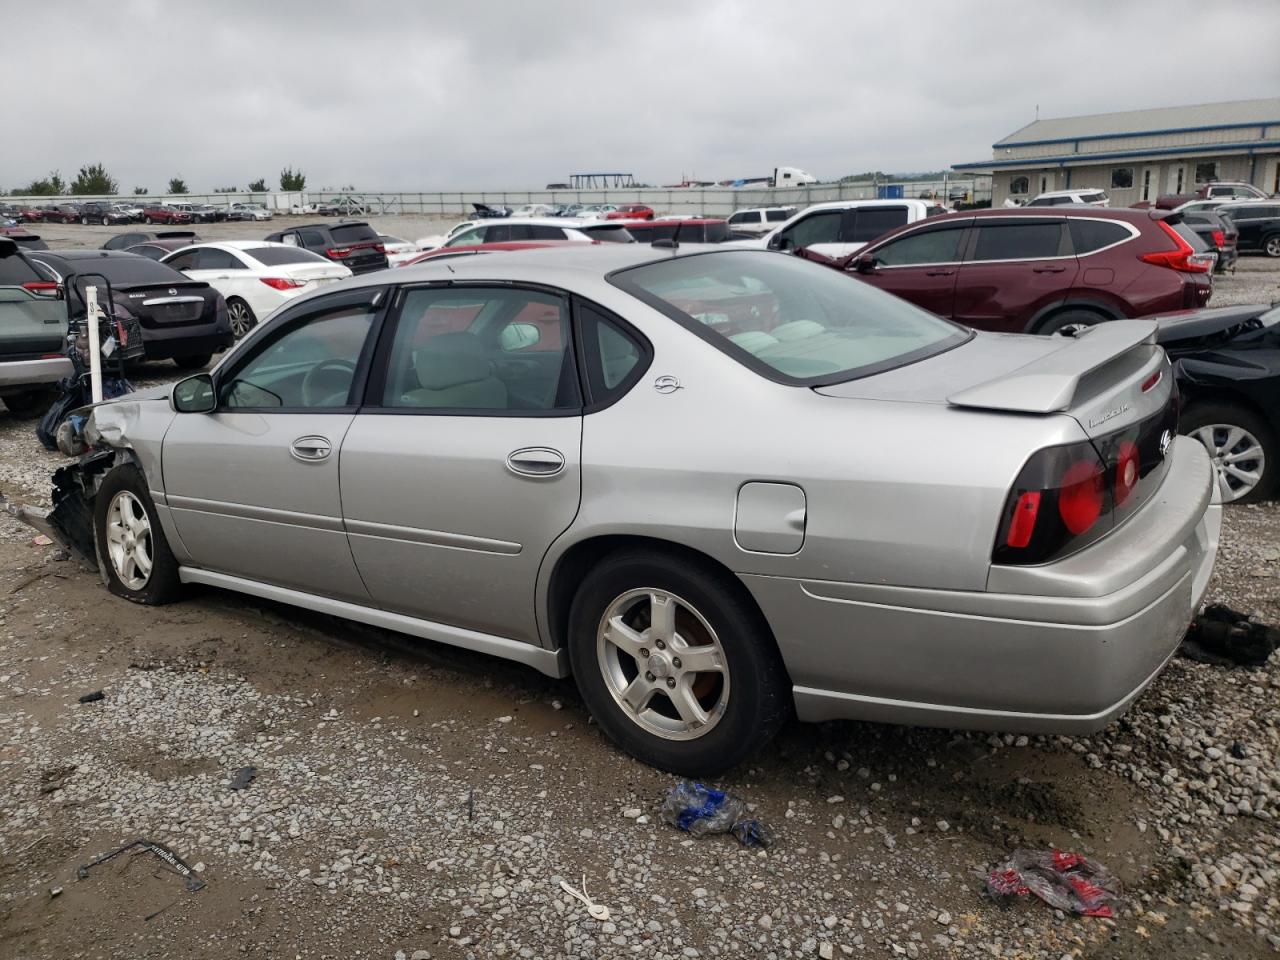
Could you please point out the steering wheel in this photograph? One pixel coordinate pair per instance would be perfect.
(331, 391)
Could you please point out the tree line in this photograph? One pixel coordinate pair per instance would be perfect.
(94, 181)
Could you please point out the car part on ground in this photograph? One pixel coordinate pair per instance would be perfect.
(701, 598)
(1227, 361)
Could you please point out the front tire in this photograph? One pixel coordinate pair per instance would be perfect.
(132, 550)
(241, 316)
(675, 663)
(29, 403)
(1271, 246)
(1242, 446)
(84, 221)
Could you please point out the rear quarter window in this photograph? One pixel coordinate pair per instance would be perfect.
(1088, 236)
(15, 271)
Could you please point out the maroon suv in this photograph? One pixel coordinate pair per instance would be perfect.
(159, 213)
(1032, 271)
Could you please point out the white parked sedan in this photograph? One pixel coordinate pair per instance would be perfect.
(399, 252)
(255, 276)
(439, 239)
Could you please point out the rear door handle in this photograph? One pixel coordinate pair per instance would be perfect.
(311, 449)
(1048, 269)
(938, 273)
(536, 462)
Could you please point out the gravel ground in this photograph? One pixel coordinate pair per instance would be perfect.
(418, 800)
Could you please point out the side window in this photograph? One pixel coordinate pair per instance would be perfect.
(481, 349)
(311, 364)
(467, 238)
(1018, 241)
(613, 356)
(742, 217)
(208, 258)
(868, 223)
(777, 216)
(290, 238)
(183, 261)
(819, 228)
(498, 233)
(927, 246)
(312, 238)
(1090, 235)
(540, 231)
(521, 231)
(1020, 185)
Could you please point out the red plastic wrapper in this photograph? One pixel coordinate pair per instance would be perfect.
(1068, 881)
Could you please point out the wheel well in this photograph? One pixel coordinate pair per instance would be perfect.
(1087, 306)
(1205, 397)
(581, 557)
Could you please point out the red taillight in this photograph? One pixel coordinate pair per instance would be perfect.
(45, 287)
(52, 356)
(1080, 496)
(1182, 258)
(282, 283)
(1219, 237)
(337, 253)
(1023, 523)
(1151, 381)
(1126, 471)
(380, 248)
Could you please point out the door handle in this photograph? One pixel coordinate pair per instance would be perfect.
(938, 273)
(1048, 269)
(310, 449)
(536, 462)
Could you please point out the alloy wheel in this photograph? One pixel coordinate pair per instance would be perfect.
(663, 664)
(240, 317)
(129, 543)
(1238, 458)
(1273, 247)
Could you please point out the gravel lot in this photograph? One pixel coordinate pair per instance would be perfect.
(417, 800)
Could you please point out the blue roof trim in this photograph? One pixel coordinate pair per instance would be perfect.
(1084, 159)
(1135, 133)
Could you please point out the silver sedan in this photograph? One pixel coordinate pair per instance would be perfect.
(717, 488)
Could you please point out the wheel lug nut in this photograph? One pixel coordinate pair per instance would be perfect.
(644, 654)
(649, 676)
(671, 682)
(675, 662)
(661, 646)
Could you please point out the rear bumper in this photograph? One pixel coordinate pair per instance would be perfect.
(165, 343)
(20, 374)
(1063, 648)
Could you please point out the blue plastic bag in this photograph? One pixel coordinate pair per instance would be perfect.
(700, 810)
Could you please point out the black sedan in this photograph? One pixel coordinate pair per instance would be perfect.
(1227, 361)
(182, 319)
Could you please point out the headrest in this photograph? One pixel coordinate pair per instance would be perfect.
(438, 370)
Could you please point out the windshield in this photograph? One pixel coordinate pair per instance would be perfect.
(353, 233)
(790, 320)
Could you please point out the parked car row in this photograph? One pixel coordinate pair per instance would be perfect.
(111, 212)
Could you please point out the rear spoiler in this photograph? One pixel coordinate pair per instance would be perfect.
(1049, 384)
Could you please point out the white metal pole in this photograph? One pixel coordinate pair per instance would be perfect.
(95, 352)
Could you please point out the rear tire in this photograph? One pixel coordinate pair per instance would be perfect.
(193, 363)
(84, 220)
(690, 721)
(241, 316)
(1069, 318)
(132, 550)
(1271, 246)
(1254, 449)
(105, 223)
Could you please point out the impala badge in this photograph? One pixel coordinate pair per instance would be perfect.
(1106, 415)
(667, 384)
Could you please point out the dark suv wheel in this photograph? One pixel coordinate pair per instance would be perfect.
(1242, 446)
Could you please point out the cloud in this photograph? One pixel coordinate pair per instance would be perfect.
(489, 95)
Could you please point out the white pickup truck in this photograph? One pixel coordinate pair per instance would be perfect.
(842, 227)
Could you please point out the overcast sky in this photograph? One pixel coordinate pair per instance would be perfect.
(482, 95)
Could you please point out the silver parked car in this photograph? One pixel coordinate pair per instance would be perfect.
(716, 488)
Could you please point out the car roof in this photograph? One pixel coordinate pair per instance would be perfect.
(70, 255)
(1074, 191)
(240, 244)
(671, 221)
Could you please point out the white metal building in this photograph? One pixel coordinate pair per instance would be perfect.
(1140, 154)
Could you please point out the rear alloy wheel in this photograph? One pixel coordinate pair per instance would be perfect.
(85, 220)
(1070, 322)
(241, 317)
(29, 403)
(1242, 447)
(1272, 246)
(105, 223)
(675, 663)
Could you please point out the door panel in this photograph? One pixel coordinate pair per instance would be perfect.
(921, 266)
(1013, 269)
(245, 504)
(443, 528)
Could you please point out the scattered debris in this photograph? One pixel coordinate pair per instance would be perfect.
(40, 540)
(701, 810)
(55, 891)
(1066, 881)
(244, 776)
(598, 911)
(1224, 637)
(175, 862)
(93, 697)
(471, 804)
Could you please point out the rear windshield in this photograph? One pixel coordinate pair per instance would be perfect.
(353, 233)
(787, 319)
(278, 256)
(15, 271)
(1186, 233)
(128, 269)
(608, 234)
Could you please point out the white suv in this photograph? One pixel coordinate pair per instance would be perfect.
(759, 220)
(842, 227)
(1089, 196)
